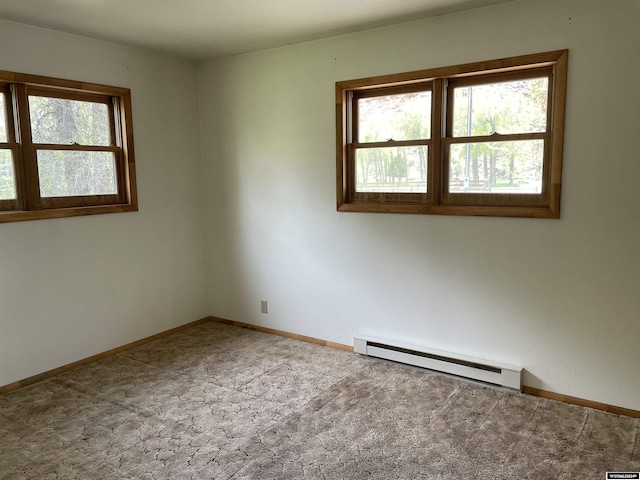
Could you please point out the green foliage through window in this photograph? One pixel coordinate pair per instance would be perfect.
(392, 169)
(496, 167)
(404, 116)
(66, 122)
(67, 174)
(7, 177)
(507, 107)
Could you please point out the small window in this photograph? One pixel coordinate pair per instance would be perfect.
(66, 149)
(393, 129)
(476, 139)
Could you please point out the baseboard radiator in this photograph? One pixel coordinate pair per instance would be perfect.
(462, 366)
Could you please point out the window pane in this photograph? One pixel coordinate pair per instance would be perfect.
(3, 120)
(392, 169)
(496, 167)
(404, 116)
(61, 121)
(507, 107)
(73, 173)
(7, 177)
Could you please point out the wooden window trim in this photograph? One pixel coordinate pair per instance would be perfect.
(30, 205)
(12, 146)
(439, 201)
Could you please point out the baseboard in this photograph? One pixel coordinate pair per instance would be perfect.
(536, 392)
(282, 333)
(94, 358)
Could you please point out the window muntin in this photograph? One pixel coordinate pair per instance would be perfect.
(495, 141)
(74, 152)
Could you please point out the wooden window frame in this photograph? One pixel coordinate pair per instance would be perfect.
(438, 200)
(30, 204)
(13, 147)
(354, 145)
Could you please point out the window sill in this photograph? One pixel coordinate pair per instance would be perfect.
(466, 210)
(21, 216)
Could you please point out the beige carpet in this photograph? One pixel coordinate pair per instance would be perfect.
(222, 402)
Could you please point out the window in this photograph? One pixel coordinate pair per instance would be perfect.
(66, 148)
(476, 139)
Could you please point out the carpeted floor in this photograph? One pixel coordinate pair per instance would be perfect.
(220, 402)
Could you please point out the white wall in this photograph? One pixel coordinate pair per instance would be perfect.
(559, 297)
(74, 287)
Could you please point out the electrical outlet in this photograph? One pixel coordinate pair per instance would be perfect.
(263, 306)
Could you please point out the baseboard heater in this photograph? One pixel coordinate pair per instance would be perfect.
(462, 366)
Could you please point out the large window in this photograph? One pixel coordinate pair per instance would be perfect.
(66, 148)
(477, 139)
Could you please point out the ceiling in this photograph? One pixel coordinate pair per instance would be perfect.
(203, 29)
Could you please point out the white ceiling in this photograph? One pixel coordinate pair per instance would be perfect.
(202, 29)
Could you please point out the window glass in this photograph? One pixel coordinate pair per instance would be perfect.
(392, 169)
(405, 116)
(65, 122)
(505, 108)
(76, 173)
(7, 176)
(496, 167)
